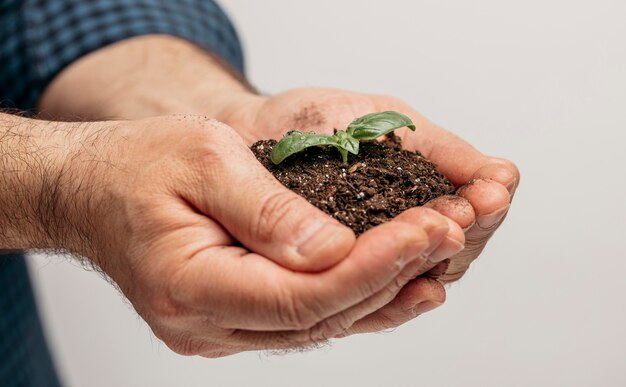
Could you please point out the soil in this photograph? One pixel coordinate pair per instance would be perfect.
(379, 183)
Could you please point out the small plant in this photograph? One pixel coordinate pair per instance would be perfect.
(368, 127)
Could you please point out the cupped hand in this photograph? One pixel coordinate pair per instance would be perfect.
(486, 185)
(201, 85)
(219, 258)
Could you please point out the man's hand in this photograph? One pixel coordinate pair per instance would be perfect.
(486, 184)
(200, 237)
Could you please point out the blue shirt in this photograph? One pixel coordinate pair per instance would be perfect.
(38, 39)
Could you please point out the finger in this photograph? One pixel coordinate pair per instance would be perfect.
(417, 297)
(490, 201)
(491, 182)
(329, 327)
(439, 233)
(455, 158)
(236, 289)
(455, 207)
(501, 171)
(452, 243)
(232, 187)
(485, 179)
(445, 240)
(479, 208)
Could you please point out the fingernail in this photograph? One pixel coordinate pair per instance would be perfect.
(511, 186)
(426, 306)
(316, 238)
(466, 229)
(490, 220)
(447, 249)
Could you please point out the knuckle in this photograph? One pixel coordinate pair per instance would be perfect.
(202, 158)
(407, 315)
(390, 321)
(329, 328)
(274, 209)
(208, 159)
(392, 290)
(208, 141)
(394, 287)
(368, 288)
(410, 272)
(296, 314)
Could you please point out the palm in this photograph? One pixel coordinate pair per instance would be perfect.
(487, 183)
(320, 110)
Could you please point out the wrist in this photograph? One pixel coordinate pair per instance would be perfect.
(49, 187)
(144, 77)
(77, 217)
(144, 102)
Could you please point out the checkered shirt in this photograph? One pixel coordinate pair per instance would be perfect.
(39, 38)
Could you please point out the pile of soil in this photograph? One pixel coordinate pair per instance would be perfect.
(379, 183)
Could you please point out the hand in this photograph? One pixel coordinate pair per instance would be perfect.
(486, 184)
(198, 235)
(158, 90)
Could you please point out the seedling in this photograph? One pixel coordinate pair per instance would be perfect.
(368, 127)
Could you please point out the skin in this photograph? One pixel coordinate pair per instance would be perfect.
(177, 77)
(486, 183)
(150, 209)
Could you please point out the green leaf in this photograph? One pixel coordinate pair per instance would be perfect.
(294, 142)
(374, 125)
(368, 127)
(347, 142)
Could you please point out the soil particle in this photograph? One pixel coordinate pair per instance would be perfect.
(379, 183)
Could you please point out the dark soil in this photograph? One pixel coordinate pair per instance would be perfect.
(379, 183)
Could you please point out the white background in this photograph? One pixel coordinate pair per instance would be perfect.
(540, 82)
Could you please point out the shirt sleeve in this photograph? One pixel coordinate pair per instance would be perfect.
(38, 38)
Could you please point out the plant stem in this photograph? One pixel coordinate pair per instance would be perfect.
(344, 155)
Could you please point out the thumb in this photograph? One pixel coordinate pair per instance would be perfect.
(258, 211)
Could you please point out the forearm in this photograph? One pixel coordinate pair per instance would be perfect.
(42, 186)
(142, 77)
(28, 166)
